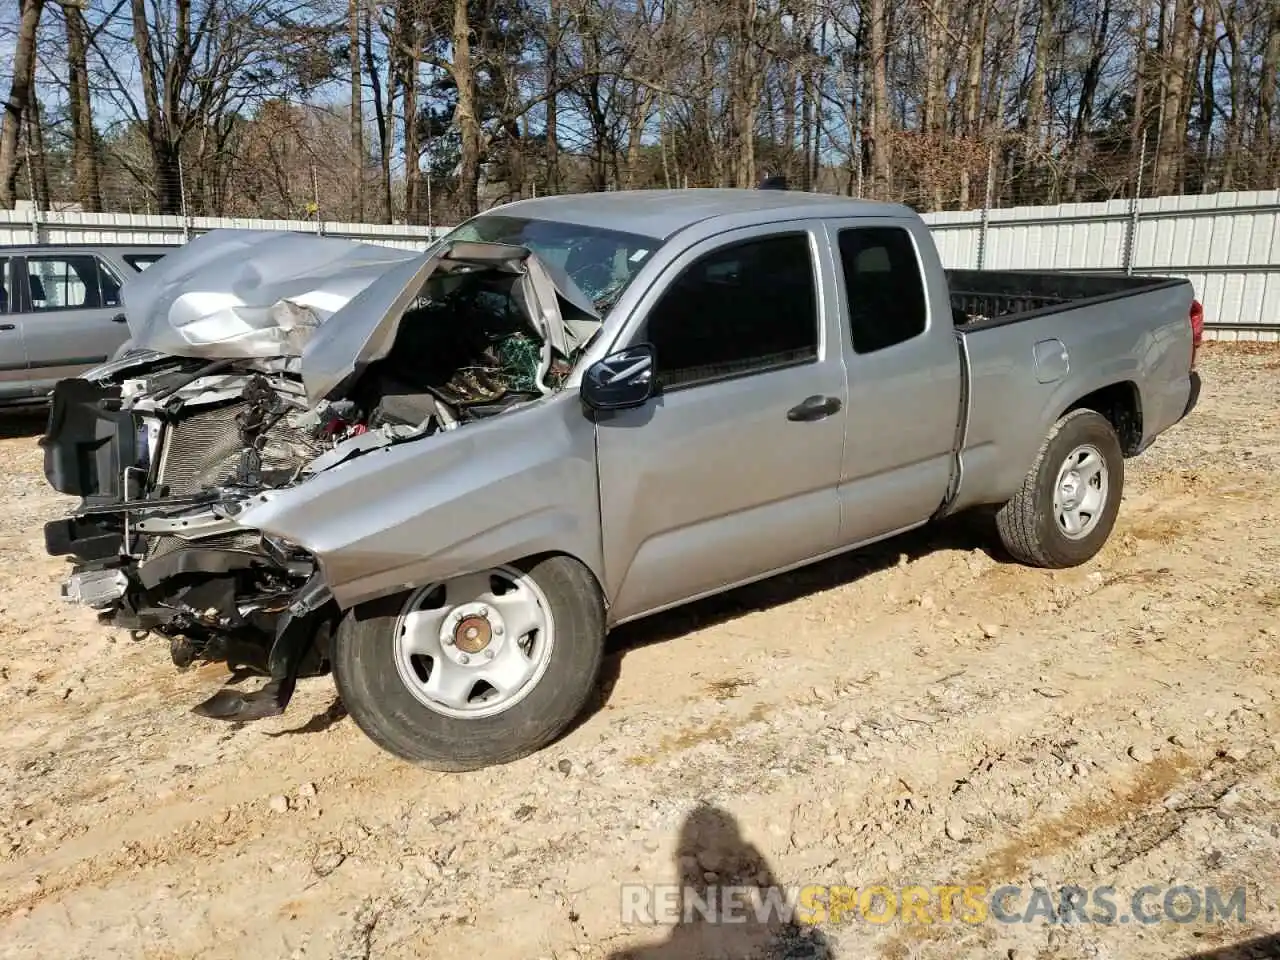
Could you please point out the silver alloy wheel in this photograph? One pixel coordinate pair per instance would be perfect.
(476, 645)
(1080, 492)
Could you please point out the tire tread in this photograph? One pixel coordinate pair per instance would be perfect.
(1019, 521)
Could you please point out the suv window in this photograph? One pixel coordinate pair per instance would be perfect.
(140, 261)
(70, 282)
(744, 308)
(883, 285)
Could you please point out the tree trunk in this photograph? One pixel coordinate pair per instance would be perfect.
(1081, 140)
(406, 54)
(745, 96)
(20, 98)
(1237, 80)
(166, 170)
(787, 141)
(380, 111)
(1137, 119)
(37, 158)
(639, 116)
(553, 80)
(805, 28)
(464, 114)
(971, 120)
(1039, 67)
(819, 80)
(932, 110)
(1209, 54)
(84, 142)
(357, 112)
(878, 103)
(1168, 177)
(1092, 74)
(1268, 138)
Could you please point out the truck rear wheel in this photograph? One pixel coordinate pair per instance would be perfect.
(1068, 503)
(478, 670)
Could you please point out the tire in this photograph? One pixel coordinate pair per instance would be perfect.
(1029, 524)
(369, 665)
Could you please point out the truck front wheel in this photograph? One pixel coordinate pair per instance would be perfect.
(1068, 502)
(477, 670)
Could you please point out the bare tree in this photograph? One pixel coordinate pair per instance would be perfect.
(21, 97)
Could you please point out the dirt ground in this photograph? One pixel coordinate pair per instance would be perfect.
(921, 713)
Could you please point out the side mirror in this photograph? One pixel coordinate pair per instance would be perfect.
(621, 380)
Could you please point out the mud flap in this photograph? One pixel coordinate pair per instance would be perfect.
(295, 633)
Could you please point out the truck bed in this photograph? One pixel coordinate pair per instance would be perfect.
(991, 297)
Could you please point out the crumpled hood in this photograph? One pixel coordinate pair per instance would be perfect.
(335, 304)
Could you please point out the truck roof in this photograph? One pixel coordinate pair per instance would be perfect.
(661, 213)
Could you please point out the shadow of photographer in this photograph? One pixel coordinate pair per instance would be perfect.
(714, 861)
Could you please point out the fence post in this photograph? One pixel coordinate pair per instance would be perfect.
(35, 200)
(182, 194)
(315, 198)
(1131, 232)
(986, 209)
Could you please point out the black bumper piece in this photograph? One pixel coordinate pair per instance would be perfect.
(85, 538)
(1194, 397)
(89, 441)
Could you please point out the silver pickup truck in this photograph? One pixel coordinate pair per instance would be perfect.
(445, 476)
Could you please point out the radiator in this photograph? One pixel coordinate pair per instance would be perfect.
(203, 450)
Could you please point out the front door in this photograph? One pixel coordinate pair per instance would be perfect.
(13, 358)
(73, 318)
(730, 472)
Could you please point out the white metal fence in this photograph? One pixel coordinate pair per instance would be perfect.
(1228, 244)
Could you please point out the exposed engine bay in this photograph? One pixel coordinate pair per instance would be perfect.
(236, 388)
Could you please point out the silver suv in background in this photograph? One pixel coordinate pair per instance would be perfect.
(61, 313)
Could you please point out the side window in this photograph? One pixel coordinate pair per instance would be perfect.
(883, 285)
(109, 284)
(746, 308)
(69, 282)
(6, 293)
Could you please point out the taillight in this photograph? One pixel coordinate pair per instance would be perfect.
(1197, 329)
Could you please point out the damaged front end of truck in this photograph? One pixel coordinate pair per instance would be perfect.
(259, 361)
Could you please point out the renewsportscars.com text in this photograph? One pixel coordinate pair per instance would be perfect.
(813, 904)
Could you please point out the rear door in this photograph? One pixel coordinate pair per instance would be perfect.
(73, 318)
(730, 472)
(13, 358)
(904, 379)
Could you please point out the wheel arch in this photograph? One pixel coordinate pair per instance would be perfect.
(390, 599)
(1121, 404)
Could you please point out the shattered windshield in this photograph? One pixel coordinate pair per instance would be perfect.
(601, 262)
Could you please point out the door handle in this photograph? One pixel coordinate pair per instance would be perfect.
(7, 326)
(119, 318)
(814, 408)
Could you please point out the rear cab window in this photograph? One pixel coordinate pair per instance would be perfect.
(884, 287)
